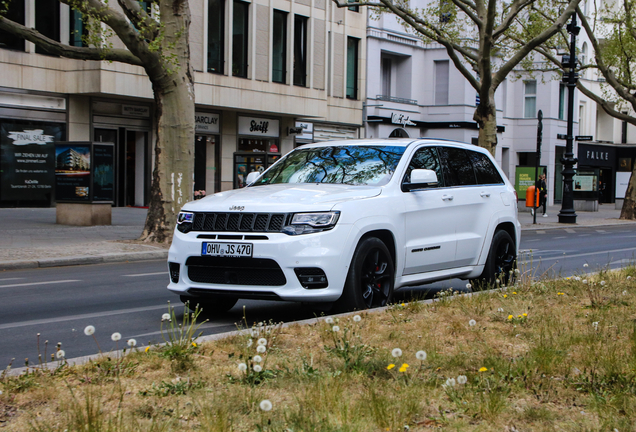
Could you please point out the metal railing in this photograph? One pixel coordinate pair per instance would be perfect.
(396, 99)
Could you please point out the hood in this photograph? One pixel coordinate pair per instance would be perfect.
(284, 198)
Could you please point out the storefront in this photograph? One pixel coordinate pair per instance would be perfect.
(595, 179)
(207, 152)
(258, 146)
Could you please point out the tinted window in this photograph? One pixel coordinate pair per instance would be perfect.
(484, 169)
(425, 158)
(458, 171)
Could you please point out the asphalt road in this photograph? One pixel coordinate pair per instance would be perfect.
(58, 303)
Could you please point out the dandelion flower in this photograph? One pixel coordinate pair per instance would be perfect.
(357, 318)
(595, 325)
(629, 277)
(262, 342)
(483, 369)
(468, 286)
(510, 317)
(391, 366)
(462, 379)
(258, 358)
(500, 310)
(329, 320)
(115, 337)
(266, 405)
(132, 343)
(147, 349)
(335, 328)
(194, 344)
(584, 281)
(517, 272)
(242, 367)
(505, 295)
(450, 382)
(60, 354)
(396, 352)
(403, 367)
(514, 292)
(585, 265)
(602, 283)
(89, 330)
(261, 349)
(420, 355)
(472, 323)
(625, 292)
(525, 314)
(257, 368)
(250, 342)
(577, 278)
(165, 317)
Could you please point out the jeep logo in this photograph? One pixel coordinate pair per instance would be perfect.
(239, 208)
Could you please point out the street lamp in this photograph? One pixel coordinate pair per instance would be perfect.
(568, 62)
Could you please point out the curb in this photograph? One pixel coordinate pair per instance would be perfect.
(84, 260)
(556, 225)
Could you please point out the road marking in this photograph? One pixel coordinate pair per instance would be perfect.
(570, 231)
(8, 279)
(83, 316)
(584, 254)
(533, 240)
(601, 231)
(540, 232)
(557, 238)
(39, 283)
(148, 274)
(584, 235)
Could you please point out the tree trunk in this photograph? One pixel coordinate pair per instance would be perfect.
(628, 211)
(173, 86)
(486, 118)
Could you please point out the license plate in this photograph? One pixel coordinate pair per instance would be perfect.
(232, 250)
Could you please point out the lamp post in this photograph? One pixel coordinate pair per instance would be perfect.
(567, 214)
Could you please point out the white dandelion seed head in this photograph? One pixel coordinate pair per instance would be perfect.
(258, 359)
(517, 272)
(89, 330)
(497, 281)
(472, 323)
(60, 354)
(329, 320)
(242, 367)
(262, 341)
(253, 333)
(500, 310)
(624, 292)
(357, 318)
(576, 278)
(266, 405)
(165, 317)
(115, 336)
(595, 325)
(335, 328)
(629, 277)
(258, 368)
(261, 349)
(132, 343)
(462, 379)
(584, 281)
(450, 382)
(396, 352)
(420, 355)
(602, 283)
(250, 342)
(468, 286)
(586, 265)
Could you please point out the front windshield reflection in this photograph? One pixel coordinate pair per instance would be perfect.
(353, 165)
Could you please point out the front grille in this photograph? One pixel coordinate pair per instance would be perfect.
(246, 222)
(235, 271)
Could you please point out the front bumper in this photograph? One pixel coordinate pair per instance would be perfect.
(324, 250)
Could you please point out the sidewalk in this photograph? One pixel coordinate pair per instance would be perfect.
(30, 238)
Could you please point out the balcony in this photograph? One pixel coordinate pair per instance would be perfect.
(396, 100)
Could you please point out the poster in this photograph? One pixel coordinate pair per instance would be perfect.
(103, 176)
(27, 160)
(584, 181)
(524, 178)
(72, 172)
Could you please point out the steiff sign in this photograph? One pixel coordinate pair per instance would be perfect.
(206, 123)
(258, 126)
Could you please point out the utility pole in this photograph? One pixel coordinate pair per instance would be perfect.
(536, 166)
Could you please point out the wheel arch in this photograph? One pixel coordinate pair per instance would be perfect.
(386, 236)
(509, 227)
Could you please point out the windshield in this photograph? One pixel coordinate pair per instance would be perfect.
(354, 165)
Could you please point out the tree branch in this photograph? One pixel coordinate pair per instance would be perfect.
(471, 14)
(140, 19)
(516, 7)
(607, 106)
(57, 48)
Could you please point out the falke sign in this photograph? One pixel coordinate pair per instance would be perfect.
(596, 155)
(206, 123)
(258, 126)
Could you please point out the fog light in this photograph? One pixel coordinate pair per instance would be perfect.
(311, 277)
(174, 271)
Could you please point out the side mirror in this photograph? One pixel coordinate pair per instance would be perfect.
(251, 177)
(421, 178)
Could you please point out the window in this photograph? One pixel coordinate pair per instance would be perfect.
(425, 158)
(484, 169)
(458, 171)
(352, 68)
(77, 29)
(441, 82)
(386, 76)
(216, 35)
(562, 101)
(14, 13)
(300, 50)
(530, 94)
(279, 47)
(353, 8)
(47, 20)
(240, 39)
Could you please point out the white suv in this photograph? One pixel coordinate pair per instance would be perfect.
(347, 222)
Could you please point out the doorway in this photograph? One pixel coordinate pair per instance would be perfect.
(207, 152)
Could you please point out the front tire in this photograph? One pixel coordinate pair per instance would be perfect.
(209, 305)
(500, 264)
(371, 277)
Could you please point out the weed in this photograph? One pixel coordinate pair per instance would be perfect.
(180, 337)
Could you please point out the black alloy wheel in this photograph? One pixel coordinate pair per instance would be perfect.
(500, 264)
(376, 280)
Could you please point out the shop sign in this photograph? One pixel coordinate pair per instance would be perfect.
(258, 126)
(401, 119)
(28, 160)
(135, 111)
(594, 155)
(206, 123)
(307, 132)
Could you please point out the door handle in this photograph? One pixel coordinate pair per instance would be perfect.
(447, 197)
(484, 194)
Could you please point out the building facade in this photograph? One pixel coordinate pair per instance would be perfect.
(268, 76)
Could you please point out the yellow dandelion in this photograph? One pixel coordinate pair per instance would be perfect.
(505, 295)
(525, 314)
(403, 367)
(514, 292)
(147, 349)
(483, 369)
(403, 305)
(391, 366)
(510, 317)
(518, 316)
(194, 344)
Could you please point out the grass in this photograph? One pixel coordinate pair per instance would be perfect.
(569, 363)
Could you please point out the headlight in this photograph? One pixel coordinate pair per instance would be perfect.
(307, 223)
(184, 221)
